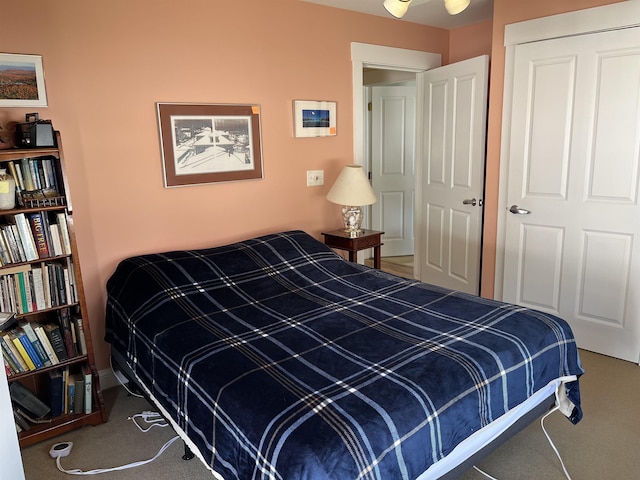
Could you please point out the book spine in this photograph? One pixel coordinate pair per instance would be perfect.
(57, 342)
(30, 350)
(5, 348)
(88, 389)
(10, 345)
(26, 237)
(46, 344)
(37, 223)
(35, 342)
(23, 353)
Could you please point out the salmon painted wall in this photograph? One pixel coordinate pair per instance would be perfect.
(469, 42)
(108, 63)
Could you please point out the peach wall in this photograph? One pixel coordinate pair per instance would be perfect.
(469, 42)
(506, 12)
(108, 63)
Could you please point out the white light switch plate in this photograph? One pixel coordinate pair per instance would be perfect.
(315, 178)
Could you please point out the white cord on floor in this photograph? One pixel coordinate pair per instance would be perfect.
(113, 469)
(566, 473)
(154, 419)
(551, 443)
(122, 383)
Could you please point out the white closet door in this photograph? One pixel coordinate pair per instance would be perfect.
(573, 165)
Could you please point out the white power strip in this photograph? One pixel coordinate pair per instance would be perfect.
(61, 449)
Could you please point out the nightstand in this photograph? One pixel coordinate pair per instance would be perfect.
(366, 239)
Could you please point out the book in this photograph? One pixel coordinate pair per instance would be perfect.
(21, 421)
(82, 339)
(64, 232)
(27, 328)
(10, 366)
(23, 352)
(28, 400)
(88, 389)
(8, 341)
(13, 360)
(46, 344)
(78, 401)
(25, 235)
(40, 231)
(38, 288)
(7, 319)
(31, 351)
(57, 341)
(55, 390)
(54, 230)
(65, 328)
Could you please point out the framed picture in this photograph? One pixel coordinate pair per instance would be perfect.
(22, 81)
(208, 143)
(314, 119)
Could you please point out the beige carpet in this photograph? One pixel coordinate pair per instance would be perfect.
(605, 445)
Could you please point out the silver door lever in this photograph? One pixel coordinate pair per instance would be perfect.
(469, 201)
(515, 209)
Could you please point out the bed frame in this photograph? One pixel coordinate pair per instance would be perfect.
(547, 404)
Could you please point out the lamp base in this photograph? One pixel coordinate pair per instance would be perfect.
(352, 218)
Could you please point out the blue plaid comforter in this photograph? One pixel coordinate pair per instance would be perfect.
(281, 360)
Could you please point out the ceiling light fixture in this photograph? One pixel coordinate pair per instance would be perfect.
(454, 7)
(398, 8)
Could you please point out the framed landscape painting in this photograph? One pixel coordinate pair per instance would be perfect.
(314, 118)
(22, 81)
(208, 143)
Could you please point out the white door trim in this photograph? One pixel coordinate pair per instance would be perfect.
(389, 58)
(608, 17)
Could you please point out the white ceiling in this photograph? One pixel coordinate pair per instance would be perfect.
(426, 12)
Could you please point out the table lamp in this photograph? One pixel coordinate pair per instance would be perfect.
(352, 190)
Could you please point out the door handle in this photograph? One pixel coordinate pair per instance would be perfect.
(516, 210)
(469, 201)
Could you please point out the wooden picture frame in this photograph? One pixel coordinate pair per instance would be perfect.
(209, 143)
(22, 81)
(314, 118)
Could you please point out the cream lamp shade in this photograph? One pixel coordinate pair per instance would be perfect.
(397, 8)
(454, 7)
(352, 190)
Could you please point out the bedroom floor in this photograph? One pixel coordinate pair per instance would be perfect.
(603, 446)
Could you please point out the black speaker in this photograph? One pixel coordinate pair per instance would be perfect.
(35, 133)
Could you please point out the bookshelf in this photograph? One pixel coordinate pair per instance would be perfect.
(41, 284)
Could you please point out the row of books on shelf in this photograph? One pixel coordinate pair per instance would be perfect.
(29, 346)
(33, 236)
(34, 287)
(34, 174)
(66, 391)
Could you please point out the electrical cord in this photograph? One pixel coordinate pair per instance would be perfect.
(77, 471)
(566, 473)
(152, 419)
(121, 382)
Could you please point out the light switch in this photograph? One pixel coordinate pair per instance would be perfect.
(315, 178)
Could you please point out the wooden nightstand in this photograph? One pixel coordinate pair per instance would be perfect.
(367, 239)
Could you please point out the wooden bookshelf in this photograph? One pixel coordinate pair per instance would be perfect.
(44, 307)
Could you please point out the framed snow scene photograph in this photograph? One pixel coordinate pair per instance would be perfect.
(208, 143)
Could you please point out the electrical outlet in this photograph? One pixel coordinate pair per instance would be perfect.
(315, 178)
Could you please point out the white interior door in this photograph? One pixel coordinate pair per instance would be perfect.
(573, 159)
(393, 166)
(452, 177)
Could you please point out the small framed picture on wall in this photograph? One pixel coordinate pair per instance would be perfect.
(22, 81)
(314, 118)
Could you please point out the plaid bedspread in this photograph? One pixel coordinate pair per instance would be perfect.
(281, 360)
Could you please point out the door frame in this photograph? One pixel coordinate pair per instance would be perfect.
(387, 58)
(581, 22)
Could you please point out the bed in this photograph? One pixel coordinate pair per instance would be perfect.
(275, 358)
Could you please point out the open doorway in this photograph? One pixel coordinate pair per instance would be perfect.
(390, 152)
